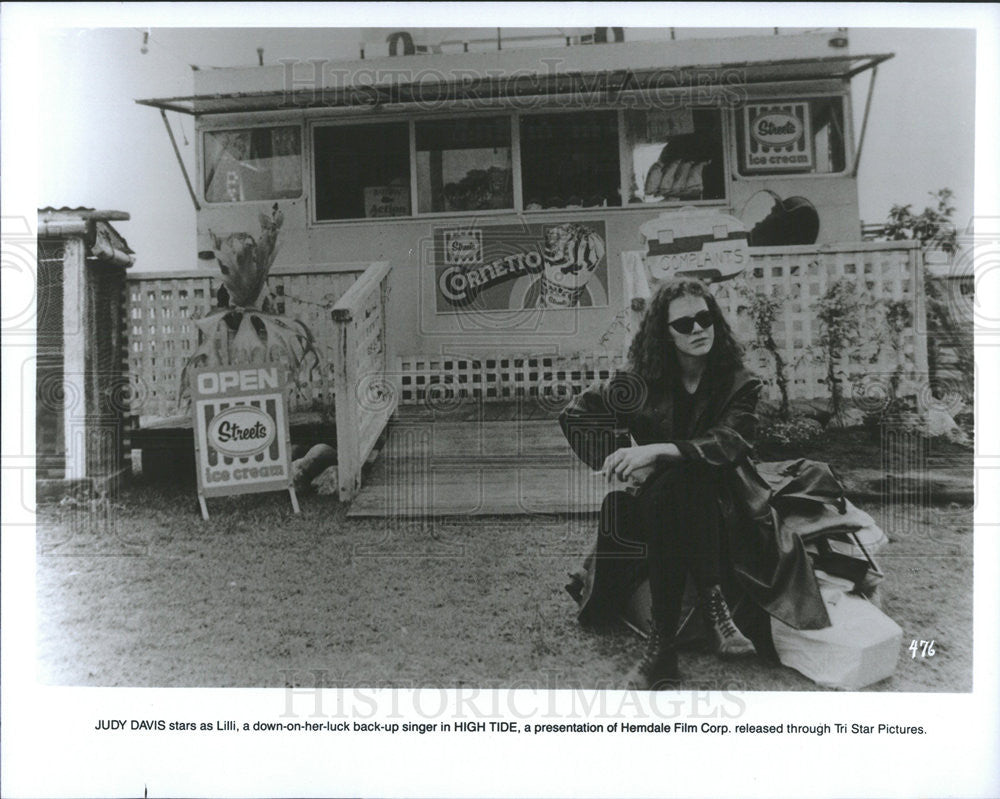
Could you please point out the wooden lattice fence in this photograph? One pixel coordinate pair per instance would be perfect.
(881, 271)
(162, 335)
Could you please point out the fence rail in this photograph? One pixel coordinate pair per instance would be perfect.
(365, 398)
(342, 305)
(163, 309)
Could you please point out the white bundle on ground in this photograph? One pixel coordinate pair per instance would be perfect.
(860, 648)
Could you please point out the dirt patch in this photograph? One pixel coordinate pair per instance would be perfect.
(143, 593)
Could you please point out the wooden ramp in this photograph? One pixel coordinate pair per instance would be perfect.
(504, 462)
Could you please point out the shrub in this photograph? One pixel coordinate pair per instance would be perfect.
(796, 430)
(763, 311)
(839, 314)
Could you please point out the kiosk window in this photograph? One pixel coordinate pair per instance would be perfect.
(570, 160)
(253, 164)
(674, 155)
(828, 134)
(792, 136)
(362, 171)
(464, 165)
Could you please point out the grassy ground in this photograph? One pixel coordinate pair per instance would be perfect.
(861, 447)
(146, 594)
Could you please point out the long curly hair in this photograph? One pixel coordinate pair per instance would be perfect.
(652, 355)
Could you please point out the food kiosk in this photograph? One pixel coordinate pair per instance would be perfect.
(503, 186)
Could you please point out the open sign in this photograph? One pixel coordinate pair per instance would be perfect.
(241, 431)
(241, 441)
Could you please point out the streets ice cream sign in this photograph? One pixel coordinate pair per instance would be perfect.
(241, 429)
(507, 267)
(777, 137)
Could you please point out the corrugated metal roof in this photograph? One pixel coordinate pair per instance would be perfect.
(103, 242)
(81, 212)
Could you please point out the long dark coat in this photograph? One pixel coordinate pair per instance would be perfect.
(769, 561)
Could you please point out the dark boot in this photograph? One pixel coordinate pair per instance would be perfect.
(727, 640)
(575, 587)
(657, 668)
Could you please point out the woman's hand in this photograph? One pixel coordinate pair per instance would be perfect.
(641, 475)
(637, 461)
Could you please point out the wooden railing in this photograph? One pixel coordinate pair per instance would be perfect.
(162, 309)
(343, 305)
(365, 398)
(801, 274)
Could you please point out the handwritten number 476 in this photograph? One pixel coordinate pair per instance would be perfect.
(925, 648)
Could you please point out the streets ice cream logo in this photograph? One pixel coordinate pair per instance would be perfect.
(572, 253)
(777, 130)
(241, 432)
(463, 247)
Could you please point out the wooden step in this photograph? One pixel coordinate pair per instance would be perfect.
(434, 465)
(408, 489)
(476, 442)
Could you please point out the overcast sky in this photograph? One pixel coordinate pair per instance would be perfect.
(103, 150)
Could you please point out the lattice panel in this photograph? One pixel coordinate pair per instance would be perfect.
(500, 377)
(802, 279)
(310, 299)
(162, 335)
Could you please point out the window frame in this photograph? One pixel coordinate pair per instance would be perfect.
(625, 163)
(515, 155)
(848, 112)
(515, 116)
(356, 122)
(237, 126)
(518, 115)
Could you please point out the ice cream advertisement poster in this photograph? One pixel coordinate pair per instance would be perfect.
(511, 267)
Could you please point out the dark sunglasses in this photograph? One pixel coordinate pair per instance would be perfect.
(685, 324)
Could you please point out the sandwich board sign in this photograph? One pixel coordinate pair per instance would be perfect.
(241, 438)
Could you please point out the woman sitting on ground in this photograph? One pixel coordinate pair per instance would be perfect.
(690, 405)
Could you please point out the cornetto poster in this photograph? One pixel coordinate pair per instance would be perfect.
(510, 267)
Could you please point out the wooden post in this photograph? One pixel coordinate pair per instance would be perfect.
(345, 381)
(76, 332)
